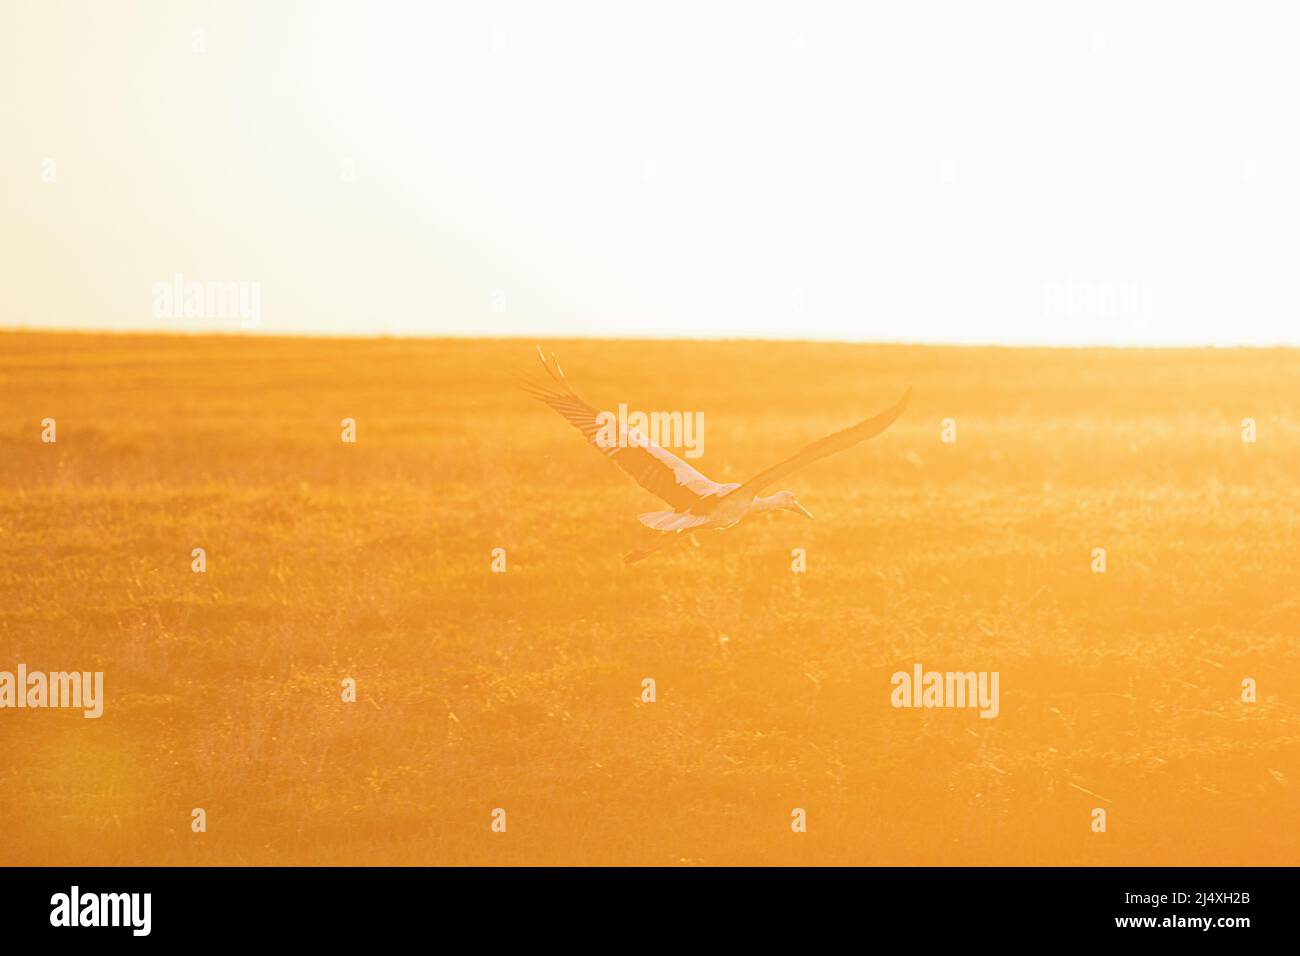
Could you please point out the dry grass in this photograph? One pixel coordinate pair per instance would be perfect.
(521, 690)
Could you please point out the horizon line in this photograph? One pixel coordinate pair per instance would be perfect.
(314, 335)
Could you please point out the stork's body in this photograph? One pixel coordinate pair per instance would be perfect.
(722, 510)
(698, 502)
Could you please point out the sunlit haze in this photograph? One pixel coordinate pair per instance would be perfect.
(963, 173)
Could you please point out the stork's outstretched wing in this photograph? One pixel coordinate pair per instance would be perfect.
(658, 471)
(823, 447)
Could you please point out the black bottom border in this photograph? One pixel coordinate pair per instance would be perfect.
(615, 908)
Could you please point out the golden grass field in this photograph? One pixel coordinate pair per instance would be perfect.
(521, 690)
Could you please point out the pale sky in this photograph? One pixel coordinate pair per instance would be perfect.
(1115, 173)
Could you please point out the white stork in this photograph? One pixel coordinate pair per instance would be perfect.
(697, 501)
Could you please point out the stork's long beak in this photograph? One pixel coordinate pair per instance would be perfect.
(800, 509)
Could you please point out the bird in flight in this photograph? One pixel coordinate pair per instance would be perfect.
(697, 501)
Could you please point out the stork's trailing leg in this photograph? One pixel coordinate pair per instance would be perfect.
(665, 542)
